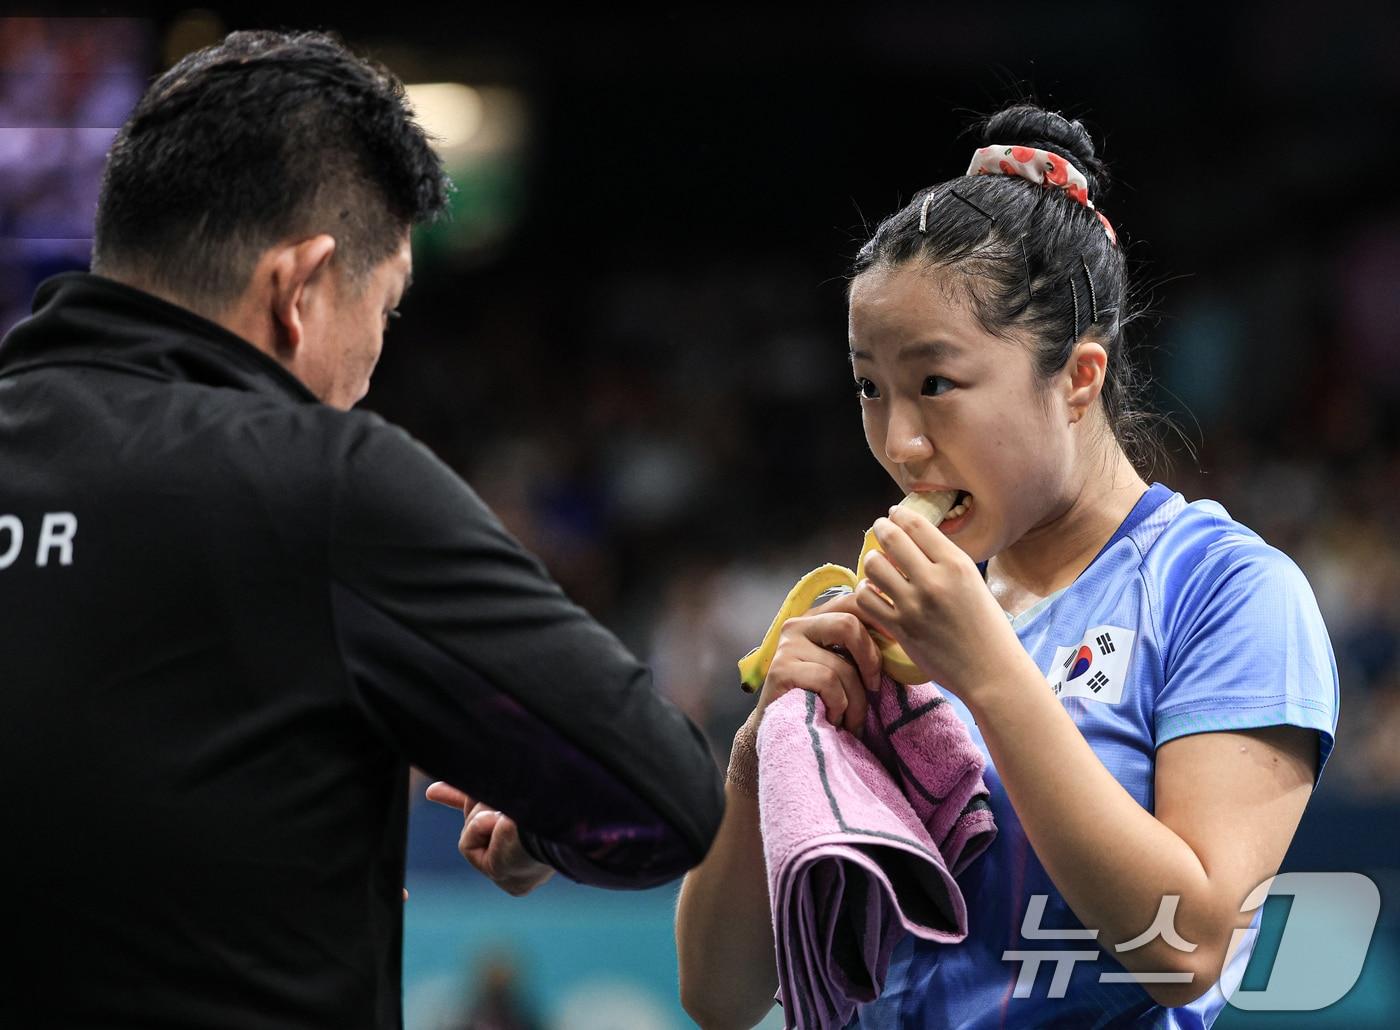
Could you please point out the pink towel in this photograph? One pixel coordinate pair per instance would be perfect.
(862, 839)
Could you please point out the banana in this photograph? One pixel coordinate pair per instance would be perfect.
(753, 667)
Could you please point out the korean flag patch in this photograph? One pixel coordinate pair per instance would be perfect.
(1096, 667)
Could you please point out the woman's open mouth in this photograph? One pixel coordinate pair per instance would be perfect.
(958, 513)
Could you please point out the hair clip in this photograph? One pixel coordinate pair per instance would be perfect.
(1093, 297)
(923, 212)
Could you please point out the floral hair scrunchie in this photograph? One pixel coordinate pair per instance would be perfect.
(1041, 167)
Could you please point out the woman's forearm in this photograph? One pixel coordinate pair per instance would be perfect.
(1111, 859)
(724, 932)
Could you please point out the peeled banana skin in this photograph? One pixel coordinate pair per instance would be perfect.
(753, 667)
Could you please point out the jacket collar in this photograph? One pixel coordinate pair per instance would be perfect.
(85, 319)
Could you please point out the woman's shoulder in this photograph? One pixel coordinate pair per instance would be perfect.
(1203, 533)
(1205, 559)
(1242, 641)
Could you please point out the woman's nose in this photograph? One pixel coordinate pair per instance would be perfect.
(905, 441)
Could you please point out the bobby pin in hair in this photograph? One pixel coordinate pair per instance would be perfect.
(1093, 297)
(1074, 296)
(1030, 294)
(990, 218)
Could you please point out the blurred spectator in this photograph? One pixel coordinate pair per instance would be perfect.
(497, 1000)
(66, 84)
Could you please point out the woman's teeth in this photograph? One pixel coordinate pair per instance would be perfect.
(959, 509)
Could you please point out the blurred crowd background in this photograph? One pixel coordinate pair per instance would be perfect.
(631, 336)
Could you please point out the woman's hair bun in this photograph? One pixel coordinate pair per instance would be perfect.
(1026, 125)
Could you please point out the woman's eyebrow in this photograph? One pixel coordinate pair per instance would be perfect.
(935, 350)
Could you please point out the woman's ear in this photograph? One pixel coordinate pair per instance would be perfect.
(1087, 367)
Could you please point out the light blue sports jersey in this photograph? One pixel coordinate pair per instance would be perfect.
(1186, 622)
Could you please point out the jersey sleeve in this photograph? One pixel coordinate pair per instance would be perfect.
(477, 668)
(1247, 648)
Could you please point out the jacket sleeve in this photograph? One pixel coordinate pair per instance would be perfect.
(478, 669)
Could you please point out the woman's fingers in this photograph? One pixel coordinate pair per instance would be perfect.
(836, 681)
(898, 548)
(829, 653)
(804, 662)
(843, 629)
(851, 603)
(928, 538)
(888, 583)
(874, 606)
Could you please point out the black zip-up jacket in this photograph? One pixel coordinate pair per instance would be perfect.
(230, 616)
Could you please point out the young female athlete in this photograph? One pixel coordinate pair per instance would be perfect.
(1150, 682)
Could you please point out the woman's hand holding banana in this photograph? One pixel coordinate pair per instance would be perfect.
(828, 652)
(754, 668)
(924, 590)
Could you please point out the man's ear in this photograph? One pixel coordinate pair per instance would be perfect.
(1087, 367)
(298, 276)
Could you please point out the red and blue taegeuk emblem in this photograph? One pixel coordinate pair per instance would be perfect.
(1082, 661)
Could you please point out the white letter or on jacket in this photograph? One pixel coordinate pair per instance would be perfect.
(11, 525)
(57, 531)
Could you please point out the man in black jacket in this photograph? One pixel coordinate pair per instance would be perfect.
(232, 610)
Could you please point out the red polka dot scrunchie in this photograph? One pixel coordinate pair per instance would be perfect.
(1041, 167)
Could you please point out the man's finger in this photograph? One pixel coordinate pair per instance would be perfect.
(446, 794)
(476, 833)
(471, 847)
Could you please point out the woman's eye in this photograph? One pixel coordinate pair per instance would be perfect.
(867, 389)
(934, 385)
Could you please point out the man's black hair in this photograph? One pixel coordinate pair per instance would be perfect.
(265, 137)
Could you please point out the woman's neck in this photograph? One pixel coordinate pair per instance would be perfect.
(1052, 555)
